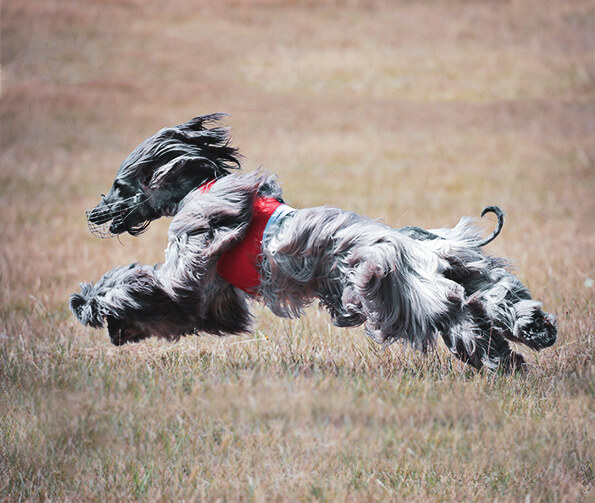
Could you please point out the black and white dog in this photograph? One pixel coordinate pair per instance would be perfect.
(232, 238)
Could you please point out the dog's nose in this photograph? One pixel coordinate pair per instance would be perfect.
(100, 214)
(100, 220)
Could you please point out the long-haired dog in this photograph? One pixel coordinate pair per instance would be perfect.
(232, 238)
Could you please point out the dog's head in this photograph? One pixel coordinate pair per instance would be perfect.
(160, 172)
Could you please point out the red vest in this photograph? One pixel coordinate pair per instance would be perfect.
(239, 265)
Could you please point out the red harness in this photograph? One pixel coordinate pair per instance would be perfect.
(239, 265)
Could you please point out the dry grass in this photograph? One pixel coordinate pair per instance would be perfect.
(414, 112)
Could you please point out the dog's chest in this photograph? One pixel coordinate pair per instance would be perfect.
(239, 265)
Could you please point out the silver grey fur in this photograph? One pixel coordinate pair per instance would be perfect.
(403, 284)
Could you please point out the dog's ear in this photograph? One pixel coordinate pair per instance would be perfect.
(184, 169)
(85, 307)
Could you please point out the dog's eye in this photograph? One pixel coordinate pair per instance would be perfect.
(120, 188)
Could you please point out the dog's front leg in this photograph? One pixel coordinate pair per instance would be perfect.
(136, 305)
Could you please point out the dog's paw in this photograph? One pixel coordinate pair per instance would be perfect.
(542, 331)
(534, 327)
(85, 307)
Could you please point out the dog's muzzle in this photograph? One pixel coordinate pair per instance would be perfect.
(100, 224)
(107, 220)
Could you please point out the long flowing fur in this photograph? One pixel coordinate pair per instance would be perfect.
(404, 284)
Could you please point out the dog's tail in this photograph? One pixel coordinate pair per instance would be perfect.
(500, 215)
(85, 307)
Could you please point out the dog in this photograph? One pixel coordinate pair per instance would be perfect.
(232, 239)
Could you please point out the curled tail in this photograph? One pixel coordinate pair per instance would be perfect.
(463, 231)
(500, 215)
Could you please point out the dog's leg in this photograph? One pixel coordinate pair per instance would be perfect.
(132, 302)
(521, 319)
(395, 283)
(476, 340)
(135, 305)
(507, 302)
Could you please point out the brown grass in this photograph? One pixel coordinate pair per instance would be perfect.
(414, 112)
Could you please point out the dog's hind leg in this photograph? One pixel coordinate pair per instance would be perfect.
(475, 339)
(396, 285)
(506, 301)
(521, 319)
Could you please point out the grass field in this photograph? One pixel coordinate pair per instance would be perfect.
(413, 112)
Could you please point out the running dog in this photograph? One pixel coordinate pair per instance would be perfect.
(232, 239)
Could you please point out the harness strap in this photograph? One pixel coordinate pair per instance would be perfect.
(239, 265)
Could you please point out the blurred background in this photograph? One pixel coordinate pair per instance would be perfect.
(413, 112)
